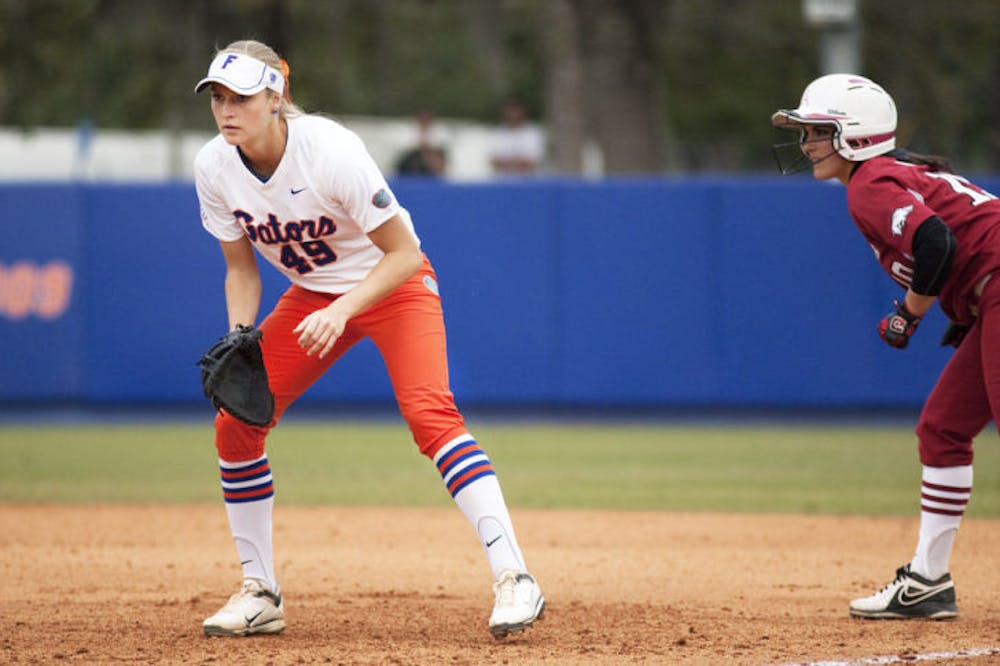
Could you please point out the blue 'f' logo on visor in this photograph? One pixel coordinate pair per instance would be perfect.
(230, 58)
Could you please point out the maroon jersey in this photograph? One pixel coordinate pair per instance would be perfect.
(889, 199)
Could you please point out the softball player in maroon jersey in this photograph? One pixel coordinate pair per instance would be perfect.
(302, 191)
(938, 235)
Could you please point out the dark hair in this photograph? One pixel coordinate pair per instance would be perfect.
(935, 162)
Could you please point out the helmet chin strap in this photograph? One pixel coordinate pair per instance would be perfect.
(825, 157)
(835, 139)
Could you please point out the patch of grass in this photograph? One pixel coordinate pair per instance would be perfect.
(793, 469)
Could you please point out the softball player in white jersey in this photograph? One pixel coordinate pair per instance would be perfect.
(303, 191)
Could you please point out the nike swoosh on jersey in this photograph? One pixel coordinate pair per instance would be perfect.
(296, 191)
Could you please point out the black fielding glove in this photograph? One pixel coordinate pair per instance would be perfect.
(234, 377)
(898, 326)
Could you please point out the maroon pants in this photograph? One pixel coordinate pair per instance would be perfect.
(967, 394)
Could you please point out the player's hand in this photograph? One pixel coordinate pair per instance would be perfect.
(897, 326)
(319, 330)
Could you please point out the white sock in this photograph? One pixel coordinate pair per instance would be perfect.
(944, 494)
(469, 477)
(249, 493)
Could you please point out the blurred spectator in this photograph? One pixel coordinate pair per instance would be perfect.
(517, 145)
(427, 157)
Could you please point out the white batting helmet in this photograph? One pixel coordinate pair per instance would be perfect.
(861, 110)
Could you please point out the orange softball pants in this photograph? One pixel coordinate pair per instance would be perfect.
(407, 327)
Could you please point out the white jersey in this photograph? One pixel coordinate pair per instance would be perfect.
(517, 143)
(311, 218)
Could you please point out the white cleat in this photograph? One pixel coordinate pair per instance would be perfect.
(255, 609)
(519, 602)
(909, 596)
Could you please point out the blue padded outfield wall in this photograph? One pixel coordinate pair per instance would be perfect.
(682, 292)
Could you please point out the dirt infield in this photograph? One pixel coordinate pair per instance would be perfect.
(112, 584)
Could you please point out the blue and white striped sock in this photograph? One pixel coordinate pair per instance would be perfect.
(469, 477)
(246, 481)
(461, 462)
(249, 493)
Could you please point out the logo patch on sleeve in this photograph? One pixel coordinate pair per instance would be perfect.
(432, 285)
(899, 219)
(382, 198)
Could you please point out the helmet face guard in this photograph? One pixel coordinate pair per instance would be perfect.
(790, 157)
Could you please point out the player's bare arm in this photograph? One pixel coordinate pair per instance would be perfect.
(918, 304)
(243, 287)
(320, 330)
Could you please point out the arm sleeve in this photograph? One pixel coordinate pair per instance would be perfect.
(933, 251)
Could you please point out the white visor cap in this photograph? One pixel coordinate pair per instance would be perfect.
(242, 74)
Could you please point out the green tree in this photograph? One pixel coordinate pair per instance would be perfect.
(660, 85)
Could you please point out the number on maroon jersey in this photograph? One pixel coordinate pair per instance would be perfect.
(962, 186)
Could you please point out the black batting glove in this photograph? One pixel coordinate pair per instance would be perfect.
(954, 334)
(897, 326)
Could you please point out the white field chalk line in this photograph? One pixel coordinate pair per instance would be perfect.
(971, 653)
